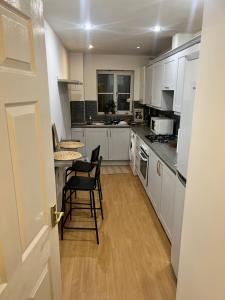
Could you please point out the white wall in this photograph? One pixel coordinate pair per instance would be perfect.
(58, 67)
(76, 62)
(202, 262)
(94, 62)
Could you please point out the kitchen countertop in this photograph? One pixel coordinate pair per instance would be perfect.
(83, 125)
(165, 152)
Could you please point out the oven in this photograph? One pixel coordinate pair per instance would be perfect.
(143, 163)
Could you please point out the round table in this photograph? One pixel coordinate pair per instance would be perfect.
(71, 145)
(67, 155)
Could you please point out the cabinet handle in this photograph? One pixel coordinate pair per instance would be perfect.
(107, 133)
(167, 87)
(110, 133)
(158, 167)
(83, 132)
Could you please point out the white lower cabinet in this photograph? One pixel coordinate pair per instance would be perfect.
(95, 137)
(114, 142)
(167, 201)
(161, 190)
(79, 135)
(154, 181)
(119, 141)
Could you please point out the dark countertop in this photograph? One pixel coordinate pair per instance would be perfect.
(84, 125)
(165, 152)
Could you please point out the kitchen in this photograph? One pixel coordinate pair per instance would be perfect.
(137, 90)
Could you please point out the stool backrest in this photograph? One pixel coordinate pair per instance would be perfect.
(95, 155)
(55, 138)
(98, 169)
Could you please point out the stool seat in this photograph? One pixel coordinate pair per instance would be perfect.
(82, 166)
(81, 183)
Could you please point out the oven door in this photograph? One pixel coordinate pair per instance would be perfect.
(143, 167)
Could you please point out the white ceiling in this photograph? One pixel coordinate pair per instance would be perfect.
(122, 25)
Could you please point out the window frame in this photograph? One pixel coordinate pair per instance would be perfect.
(115, 91)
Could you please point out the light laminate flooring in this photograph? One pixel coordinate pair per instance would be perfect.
(132, 261)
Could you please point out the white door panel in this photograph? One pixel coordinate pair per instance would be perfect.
(119, 141)
(186, 115)
(95, 137)
(29, 249)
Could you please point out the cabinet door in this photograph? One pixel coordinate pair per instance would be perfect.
(79, 135)
(170, 73)
(148, 85)
(142, 84)
(157, 80)
(167, 200)
(95, 137)
(177, 224)
(119, 141)
(178, 95)
(155, 181)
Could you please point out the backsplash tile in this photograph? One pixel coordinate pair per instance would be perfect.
(77, 111)
(82, 110)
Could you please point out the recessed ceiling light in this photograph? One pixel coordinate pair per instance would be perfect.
(138, 47)
(156, 28)
(90, 46)
(88, 26)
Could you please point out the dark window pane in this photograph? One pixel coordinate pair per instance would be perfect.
(123, 83)
(105, 83)
(122, 103)
(105, 102)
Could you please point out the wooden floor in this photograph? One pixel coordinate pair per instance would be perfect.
(132, 261)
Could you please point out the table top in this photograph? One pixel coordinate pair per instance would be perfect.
(66, 155)
(71, 145)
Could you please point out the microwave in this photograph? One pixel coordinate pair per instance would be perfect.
(161, 125)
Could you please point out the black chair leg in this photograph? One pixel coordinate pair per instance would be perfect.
(95, 217)
(70, 205)
(63, 209)
(100, 189)
(91, 205)
(100, 202)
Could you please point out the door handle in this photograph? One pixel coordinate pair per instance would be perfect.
(55, 216)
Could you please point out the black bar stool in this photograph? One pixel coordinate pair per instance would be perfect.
(86, 167)
(81, 183)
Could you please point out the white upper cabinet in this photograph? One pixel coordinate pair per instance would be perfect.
(142, 84)
(157, 82)
(170, 73)
(119, 141)
(177, 102)
(148, 85)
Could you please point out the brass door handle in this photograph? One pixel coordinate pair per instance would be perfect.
(56, 216)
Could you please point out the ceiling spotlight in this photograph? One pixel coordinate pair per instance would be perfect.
(156, 28)
(138, 47)
(88, 26)
(90, 46)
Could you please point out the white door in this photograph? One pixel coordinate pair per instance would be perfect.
(29, 247)
(119, 142)
(95, 137)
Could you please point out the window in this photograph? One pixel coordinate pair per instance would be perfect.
(115, 91)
